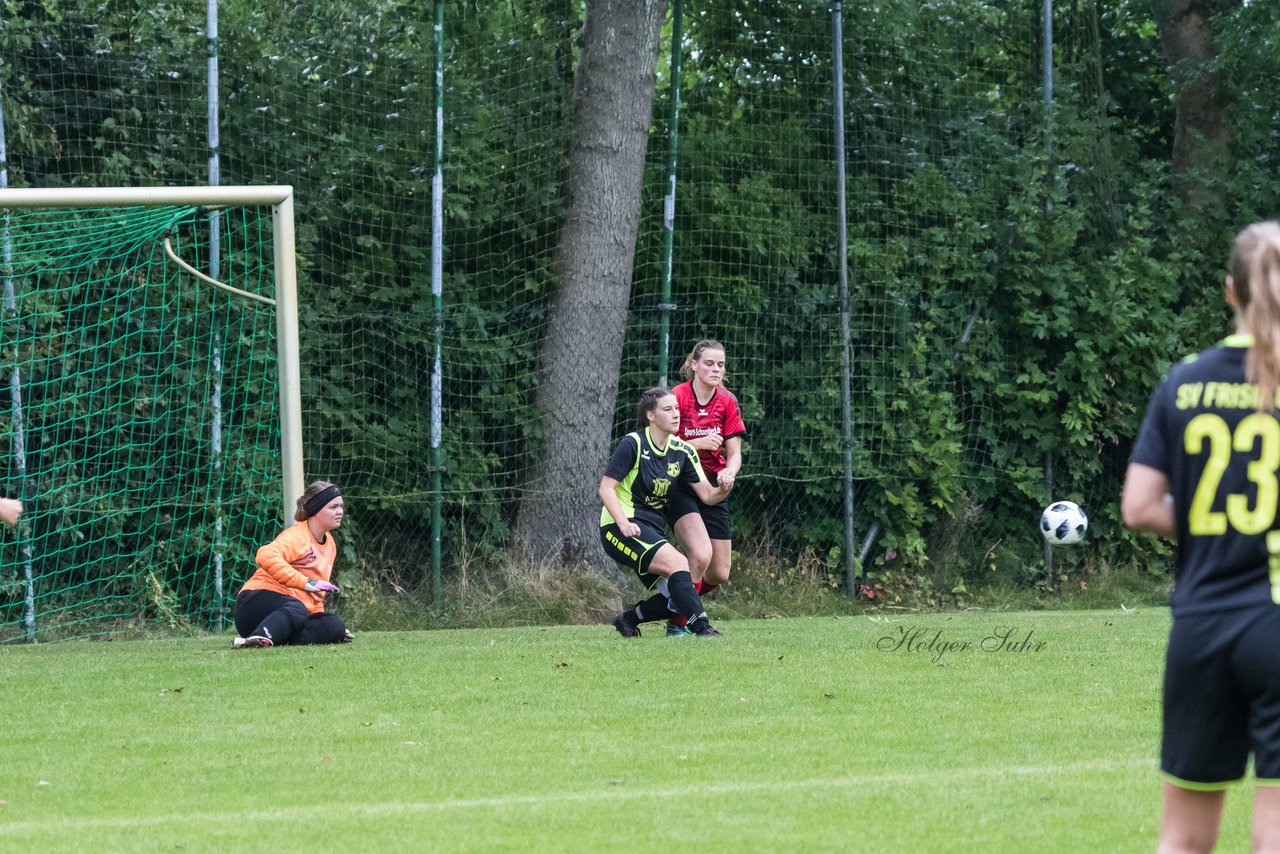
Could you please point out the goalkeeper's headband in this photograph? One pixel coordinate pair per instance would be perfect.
(319, 500)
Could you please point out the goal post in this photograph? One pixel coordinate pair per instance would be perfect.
(155, 428)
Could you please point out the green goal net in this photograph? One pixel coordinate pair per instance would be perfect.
(141, 415)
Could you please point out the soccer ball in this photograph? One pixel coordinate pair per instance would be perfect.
(1063, 523)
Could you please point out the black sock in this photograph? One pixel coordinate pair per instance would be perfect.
(653, 608)
(685, 597)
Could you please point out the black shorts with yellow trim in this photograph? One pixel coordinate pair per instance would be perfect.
(1222, 699)
(634, 553)
(684, 501)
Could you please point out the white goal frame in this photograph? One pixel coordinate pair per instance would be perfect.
(280, 197)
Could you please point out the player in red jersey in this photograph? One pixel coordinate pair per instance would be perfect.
(711, 422)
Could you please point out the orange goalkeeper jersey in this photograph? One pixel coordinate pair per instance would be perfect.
(286, 564)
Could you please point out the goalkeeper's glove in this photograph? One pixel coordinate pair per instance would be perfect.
(319, 585)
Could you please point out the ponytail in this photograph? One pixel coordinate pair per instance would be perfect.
(1255, 271)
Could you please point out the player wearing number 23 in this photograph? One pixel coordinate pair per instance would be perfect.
(1204, 472)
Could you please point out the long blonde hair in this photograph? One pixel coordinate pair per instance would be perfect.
(1255, 272)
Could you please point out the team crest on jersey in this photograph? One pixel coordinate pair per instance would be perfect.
(673, 469)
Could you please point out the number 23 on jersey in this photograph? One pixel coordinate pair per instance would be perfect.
(1211, 435)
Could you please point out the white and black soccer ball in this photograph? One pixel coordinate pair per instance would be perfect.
(1063, 523)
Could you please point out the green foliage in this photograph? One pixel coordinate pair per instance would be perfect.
(1018, 277)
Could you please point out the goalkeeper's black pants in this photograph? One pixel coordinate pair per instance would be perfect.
(285, 620)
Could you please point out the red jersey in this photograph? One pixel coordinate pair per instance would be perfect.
(718, 415)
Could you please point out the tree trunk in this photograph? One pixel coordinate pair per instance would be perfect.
(558, 518)
(1202, 132)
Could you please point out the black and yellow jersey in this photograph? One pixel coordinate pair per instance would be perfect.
(1204, 431)
(647, 475)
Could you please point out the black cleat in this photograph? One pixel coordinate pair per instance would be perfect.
(626, 625)
(702, 628)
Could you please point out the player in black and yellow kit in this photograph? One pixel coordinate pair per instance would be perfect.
(638, 482)
(1205, 470)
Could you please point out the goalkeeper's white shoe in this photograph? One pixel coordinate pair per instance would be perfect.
(250, 642)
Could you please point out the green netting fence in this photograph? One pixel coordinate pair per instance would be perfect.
(1008, 264)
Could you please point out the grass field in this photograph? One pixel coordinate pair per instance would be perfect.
(832, 734)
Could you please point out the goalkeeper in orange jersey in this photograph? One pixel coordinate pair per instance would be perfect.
(283, 602)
